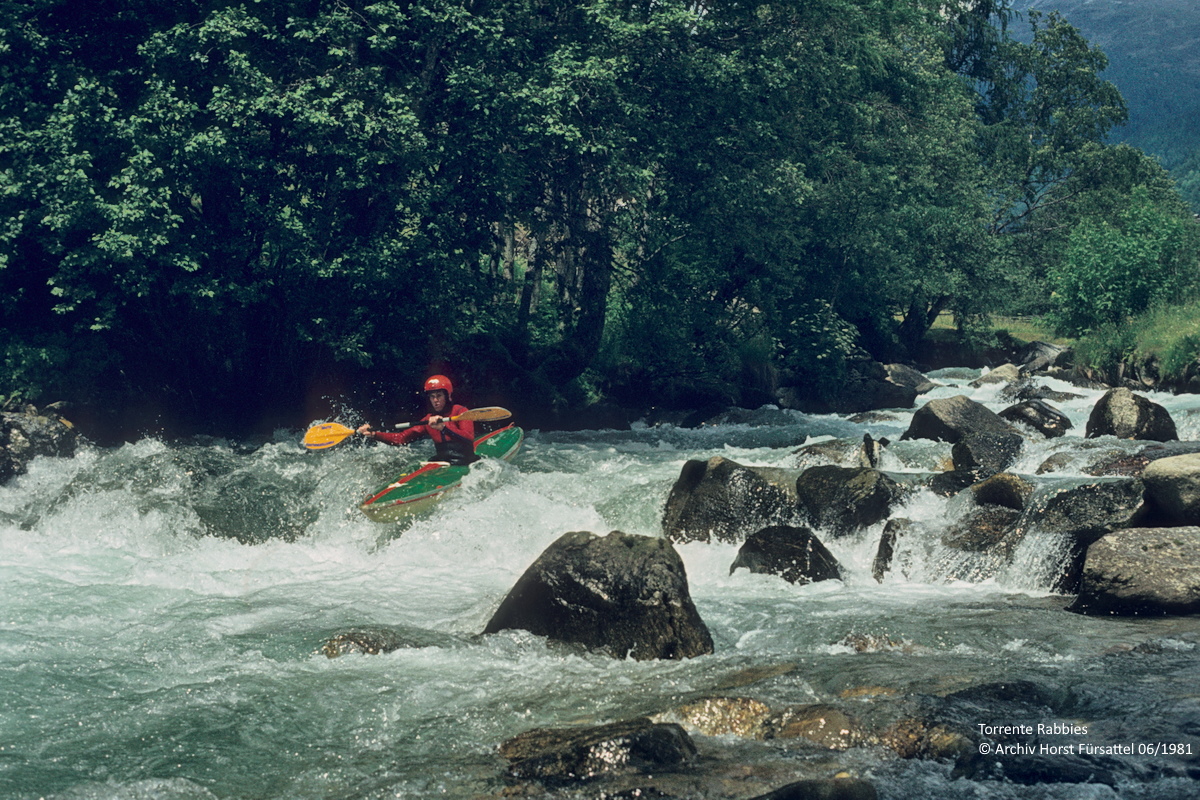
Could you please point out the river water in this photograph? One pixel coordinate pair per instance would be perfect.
(164, 607)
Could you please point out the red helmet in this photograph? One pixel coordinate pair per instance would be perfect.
(439, 382)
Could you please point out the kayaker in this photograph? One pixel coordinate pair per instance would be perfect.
(454, 440)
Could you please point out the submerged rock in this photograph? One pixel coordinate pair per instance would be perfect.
(823, 789)
(720, 716)
(822, 724)
(844, 500)
(1142, 571)
(723, 500)
(795, 554)
(568, 755)
(1126, 415)
(622, 593)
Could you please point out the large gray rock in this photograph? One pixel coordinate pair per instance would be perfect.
(844, 500)
(25, 436)
(622, 593)
(723, 500)
(1149, 571)
(950, 419)
(795, 554)
(1126, 415)
(561, 756)
(1173, 488)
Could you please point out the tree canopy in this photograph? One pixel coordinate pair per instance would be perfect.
(221, 208)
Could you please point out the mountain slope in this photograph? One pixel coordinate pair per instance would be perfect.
(1153, 48)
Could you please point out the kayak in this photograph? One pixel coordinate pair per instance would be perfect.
(422, 489)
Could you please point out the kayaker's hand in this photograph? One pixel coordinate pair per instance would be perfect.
(437, 423)
(365, 429)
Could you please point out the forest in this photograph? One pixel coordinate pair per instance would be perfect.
(223, 216)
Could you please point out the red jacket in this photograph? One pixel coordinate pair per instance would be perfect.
(457, 437)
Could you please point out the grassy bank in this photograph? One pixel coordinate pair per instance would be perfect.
(1168, 335)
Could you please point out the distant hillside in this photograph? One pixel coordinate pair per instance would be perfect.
(1153, 48)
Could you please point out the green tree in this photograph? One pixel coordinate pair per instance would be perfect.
(1114, 270)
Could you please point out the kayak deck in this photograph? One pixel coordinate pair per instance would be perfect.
(425, 487)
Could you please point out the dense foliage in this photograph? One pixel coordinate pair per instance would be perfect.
(215, 210)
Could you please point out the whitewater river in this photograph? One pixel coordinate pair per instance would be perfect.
(163, 609)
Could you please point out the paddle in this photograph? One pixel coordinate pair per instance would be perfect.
(327, 434)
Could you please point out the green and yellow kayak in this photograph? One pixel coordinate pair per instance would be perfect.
(424, 488)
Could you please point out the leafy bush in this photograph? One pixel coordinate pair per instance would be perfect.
(1113, 270)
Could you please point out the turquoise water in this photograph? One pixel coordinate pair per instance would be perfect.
(164, 607)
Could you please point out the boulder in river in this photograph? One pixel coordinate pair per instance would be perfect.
(1173, 489)
(1142, 571)
(986, 453)
(723, 500)
(622, 593)
(26, 435)
(844, 500)
(1082, 512)
(950, 419)
(560, 756)
(1040, 416)
(795, 554)
(1126, 415)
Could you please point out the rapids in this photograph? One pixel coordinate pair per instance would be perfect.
(164, 606)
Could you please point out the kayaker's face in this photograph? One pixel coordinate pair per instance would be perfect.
(437, 400)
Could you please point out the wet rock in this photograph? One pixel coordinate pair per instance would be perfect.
(723, 500)
(1040, 416)
(26, 435)
(844, 500)
(888, 542)
(821, 724)
(903, 375)
(1005, 373)
(720, 716)
(1028, 389)
(872, 451)
(950, 419)
(981, 530)
(921, 738)
(1086, 510)
(1004, 489)
(1173, 489)
(1126, 415)
(559, 756)
(622, 593)
(1083, 512)
(795, 554)
(951, 482)
(1122, 462)
(986, 453)
(1142, 571)
(824, 789)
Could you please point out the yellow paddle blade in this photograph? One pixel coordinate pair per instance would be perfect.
(485, 414)
(326, 435)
